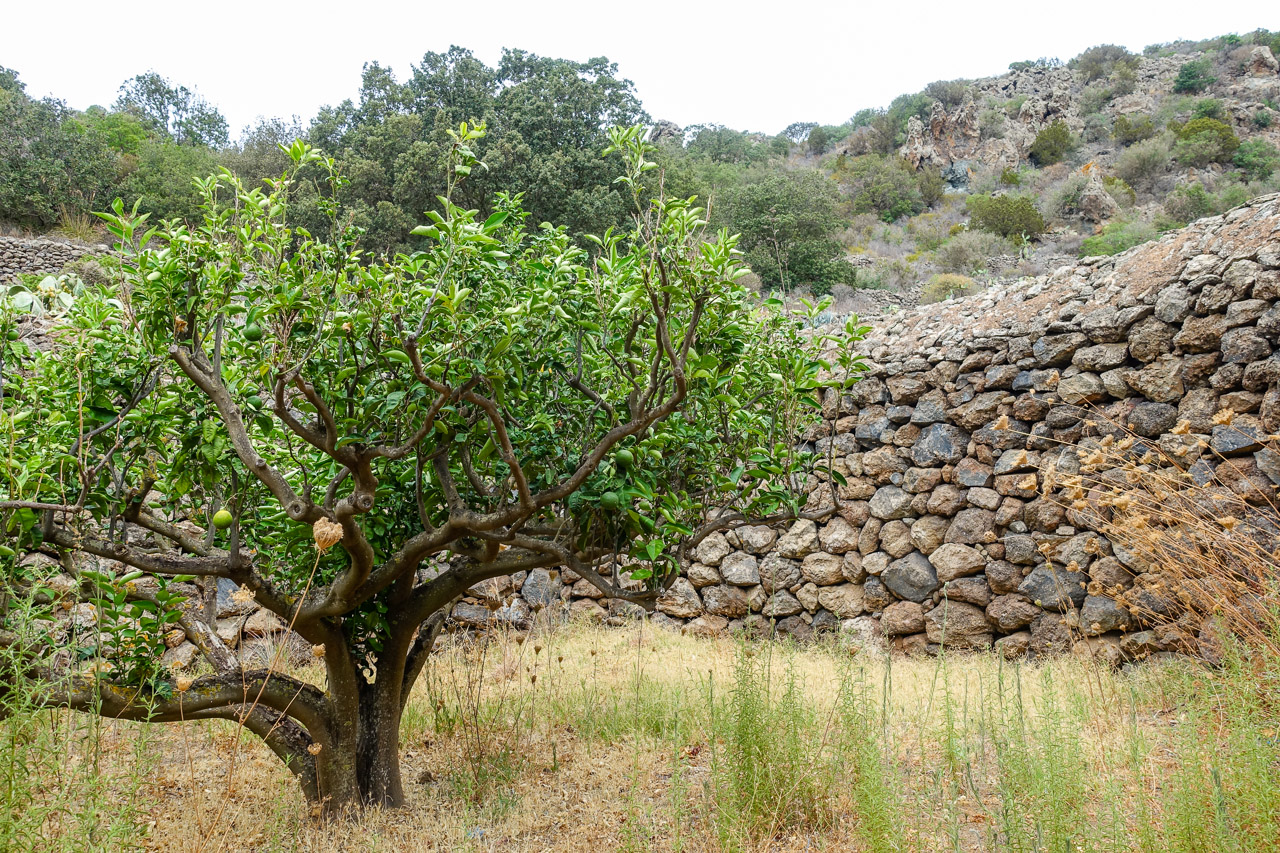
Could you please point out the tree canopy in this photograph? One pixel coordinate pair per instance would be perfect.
(357, 439)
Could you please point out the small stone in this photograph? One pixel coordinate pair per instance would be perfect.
(902, 618)
(1054, 589)
(912, 577)
(740, 569)
(822, 569)
(952, 561)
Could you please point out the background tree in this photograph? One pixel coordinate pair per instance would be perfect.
(173, 111)
(788, 222)
(51, 164)
(489, 405)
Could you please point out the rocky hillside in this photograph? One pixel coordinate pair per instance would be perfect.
(957, 141)
(1050, 160)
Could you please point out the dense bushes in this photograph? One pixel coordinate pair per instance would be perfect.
(1127, 131)
(787, 222)
(1194, 77)
(51, 163)
(968, 251)
(885, 186)
(1013, 216)
(1142, 163)
(1202, 141)
(1052, 144)
(1187, 203)
(1102, 61)
(1257, 158)
(946, 286)
(1116, 237)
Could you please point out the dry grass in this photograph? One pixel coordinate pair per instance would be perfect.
(621, 742)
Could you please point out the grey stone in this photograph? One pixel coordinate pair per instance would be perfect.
(1151, 419)
(939, 444)
(740, 569)
(972, 527)
(680, 600)
(781, 604)
(712, 549)
(822, 569)
(1057, 350)
(728, 601)
(1100, 614)
(778, 573)
(799, 541)
(912, 577)
(890, 502)
(1054, 589)
(973, 590)
(1011, 612)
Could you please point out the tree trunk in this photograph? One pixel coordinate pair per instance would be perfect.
(378, 750)
(359, 765)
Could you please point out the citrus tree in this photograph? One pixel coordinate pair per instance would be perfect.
(357, 441)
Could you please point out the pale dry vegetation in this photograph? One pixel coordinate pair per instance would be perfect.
(585, 738)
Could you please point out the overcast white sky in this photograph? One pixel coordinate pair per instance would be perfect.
(753, 66)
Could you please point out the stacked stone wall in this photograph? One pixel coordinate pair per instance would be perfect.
(945, 529)
(20, 255)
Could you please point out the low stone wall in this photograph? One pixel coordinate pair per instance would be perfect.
(39, 255)
(942, 517)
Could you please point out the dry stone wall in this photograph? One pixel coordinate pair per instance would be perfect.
(943, 532)
(942, 525)
(39, 255)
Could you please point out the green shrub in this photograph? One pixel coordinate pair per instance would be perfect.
(1202, 141)
(1052, 144)
(946, 286)
(1126, 131)
(1102, 61)
(1013, 106)
(1262, 119)
(883, 185)
(951, 93)
(1187, 203)
(1116, 237)
(1144, 161)
(1194, 77)
(1097, 127)
(967, 252)
(1012, 216)
(1010, 177)
(991, 124)
(1064, 200)
(1120, 190)
(1208, 108)
(1257, 158)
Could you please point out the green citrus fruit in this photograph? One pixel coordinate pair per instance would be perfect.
(12, 334)
(610, 501)
(253, 333)
(624, 458)
(254, 402)
(222, 519)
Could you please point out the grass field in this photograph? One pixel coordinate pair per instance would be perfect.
(637, 739)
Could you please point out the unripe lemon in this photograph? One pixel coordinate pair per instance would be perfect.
(222, 519)
(610, 501)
